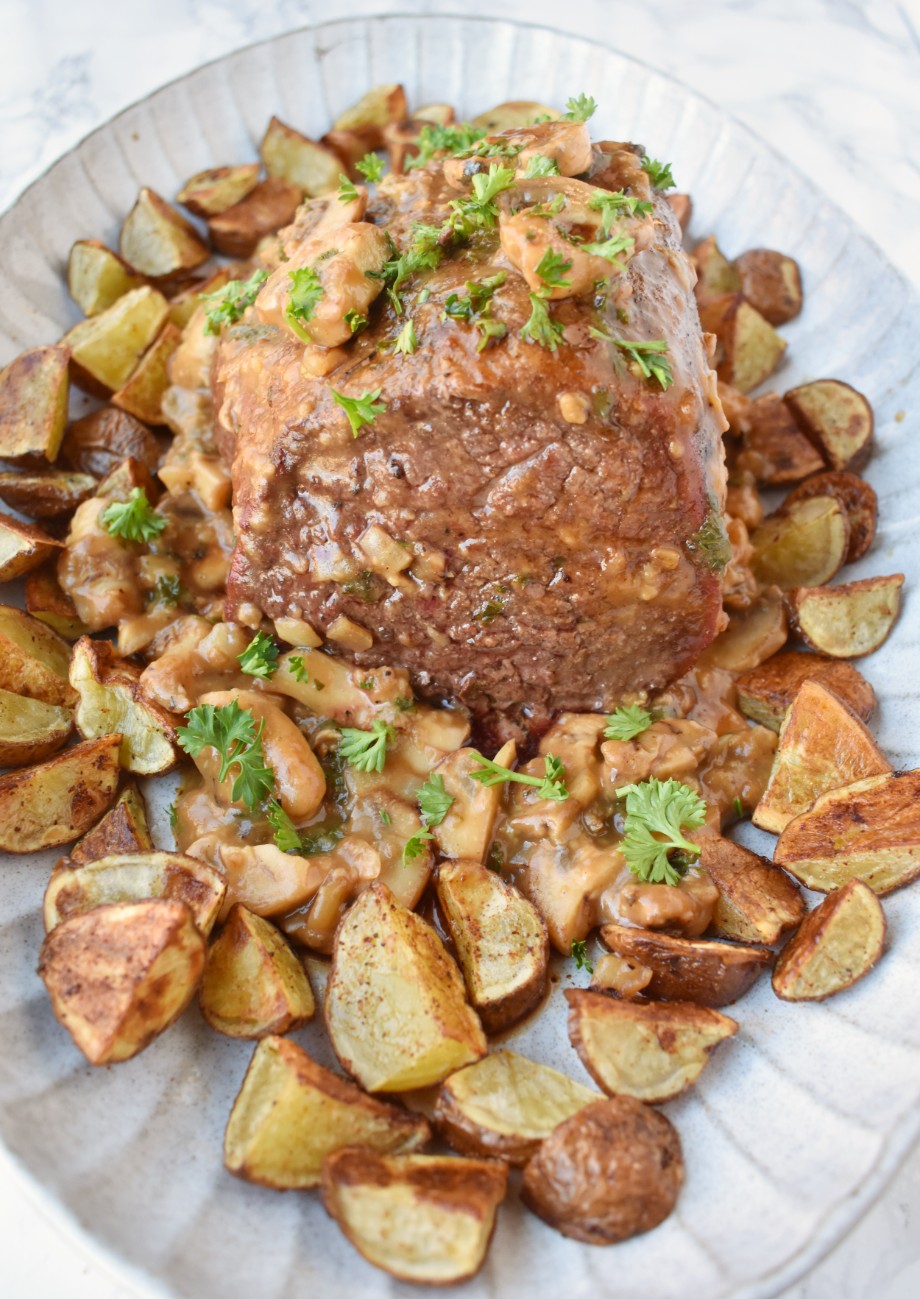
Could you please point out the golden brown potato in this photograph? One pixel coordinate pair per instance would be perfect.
(105, 349)
(31, 730)
(22, 547)
(650, 1050)
(270, 206)
(689, 969)
(836, 945)
(848, 620)
(837, 418)
(856, 496)
(33, 404)
(715, 275)
(766, 692)
(466, 830)
(46, 601)
(58, 800)
(772, 284)
(142, 395)
(500, 940)
(774, 449)
(373, 112)
(757, 901)
(421, 1218)
(131, 877)
(505, 1105)
(101, 441)
(749, 349)
(395, 1008)
(682, 207)
(822, 745)
(300, 161)
(752, 637)
(97, 277)
(253, 984)
(34, 660)
(803, 544)
(122, 830)
(157, 240)
(350, 147)
(47, 493)
(119, 975)
(210, 192)
(441, 114)
(612, 1171)
(110, 699)
(512, 114)
(291, 1113)
(869, 831)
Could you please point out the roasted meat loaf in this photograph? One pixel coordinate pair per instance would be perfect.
(528, 515)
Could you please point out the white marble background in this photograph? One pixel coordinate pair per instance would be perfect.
(833, 84)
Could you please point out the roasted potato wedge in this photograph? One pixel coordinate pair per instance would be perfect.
(856, 496)
(512, 114)
(253, 984)
(294, 158)
(772, 284)
(157, 240)
(836, 945)
(682, 207)
(105, 349)
(101, 441)
(142, 395)
(500, 940)
(849, 620)
(31, 730)
(34, 660)
(211, 192)
(97, 277)
(271, 205)
(752, 636)
(395, 1008)
(119, 975)
(291, 1113)
(373, 112)
(466, 830)
(650, 1050)
(57, 801)
(440, 114)
(33, 404)
(757, 901)
(715, 274)
(837, 418)
(766, 692)
(110, 699)
(869, 831)
(47, 493)
(822, 745)
(689, 969)
(22, 547)
(421, 1218)
(612, 1171)
(803, 544)
(774, 449)
(46, 601)
(505, 1105)
(131, 877)
(122, 830)
(749, 348)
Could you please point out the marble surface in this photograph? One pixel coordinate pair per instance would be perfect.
(833, 84)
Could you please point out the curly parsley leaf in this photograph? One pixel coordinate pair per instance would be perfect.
(611, 248)
(550, 785)
(360, 410)
(580, 955)
(297, 669)
(232, 732)
(435, 138)
(659, 173)
(579, 109)
(230, 301)
(371, 168)
(366, 750)
(627, 723)
(306, 291)
(415, 846)
(489, 329)
(540, 327)
(657, 812)
(355, 320)
(134, 519)
(168, 590)
(540, 165)
(285, 833)
(346, 192)
(613, 205)
(433, 800)
(648, 356)
(406, 339)
(552, 269)
(260, 657)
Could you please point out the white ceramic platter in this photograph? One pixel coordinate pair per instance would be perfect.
(797, 1123)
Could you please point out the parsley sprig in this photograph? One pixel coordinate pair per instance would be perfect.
(659, 173)
(232, 732)
(611, 248)
(580, 955)
(648, 356)
(230, 301)
(360, 410)
(579, 109)
(626, 723)
(260, 657)
(306, 291)
(540, 327)
(434, 803)
(285, 833)
(134, 519)
(297, 668)
(615, 204)
(367, 750)
(476, 307)
(539, 165)
(657, 812)
(435, 138)
(406, 339)
(552, 269)
(550, 785)
(371, 168)
(346, 192)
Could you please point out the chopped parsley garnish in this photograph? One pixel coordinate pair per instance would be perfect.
(371, 168)
(611, 248)
(360, 410)
(134, 519)
(260, 657)
(366, 750)
(168, 590)
(435, 138)
(285, 833)
(173, 813)
(540, 165)
(424, 255)
(615, 204)
(415, 846)
(479, 212)
(476, 308)
(659, 173)
(433, 799)
(232, 732)
(297, 669)
(552, 269)
(346, 191)
(407, 339)
(355, 320)
(490, 329)
(713, 542)
(739, 807)
(385, 816)
(541, 328)
(306, 292)
(579, 109)
(231, 301)
(648, 356)
(580, 955)
(404, 705)
(550, 785)
(367, 684)
(627, 723)
(662, 808)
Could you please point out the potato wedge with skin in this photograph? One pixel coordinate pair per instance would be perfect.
(22, 547)
(395, 1008)
(210, 192)
(157, 240)
(373, 111)
(715, 274)
(142, 395)
(291, 1113)
(46, 601)
(46, 494)
(505, 1105)
(119, 975)
(101, 441)
(33, 404)
(111, 700)
(689, 969)
(837, 418)
(97, 277)
(440, 114)
(749, 348)
(253, 984)
(822, 745)
(271, 205)
(421, 1218)
(772, 283)
(500, 939)
(513, 113)
(466, 830)
(803, 544)
(766, 692)
(849, 620)
(612, 1171)
(122, 830)
(34, 660)
(752, 636)
(350, 147)
(836, 945)
(869, 830)
(650, 1050)
(757, 902)
(106, 348)
(31, 730)
(773, 446)
(290, 156)
(131, 877)
(856, 496)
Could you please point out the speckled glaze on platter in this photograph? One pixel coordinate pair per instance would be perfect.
(799, 1122)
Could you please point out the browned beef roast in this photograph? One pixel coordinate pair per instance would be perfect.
(556, 515)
